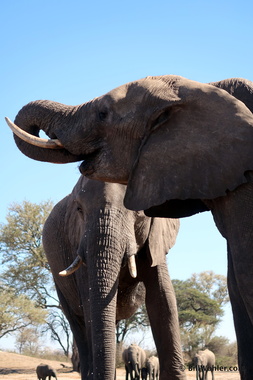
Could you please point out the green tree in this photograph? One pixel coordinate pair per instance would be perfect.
(18, 312)
(211, 284)
(25, 267)
(200, 300)
(27, 341)
(225, 352)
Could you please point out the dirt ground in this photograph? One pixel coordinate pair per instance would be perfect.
(20, 367)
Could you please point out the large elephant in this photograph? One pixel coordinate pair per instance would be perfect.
(91, 226)
(134, 358)
(182, 147)
(204, 361)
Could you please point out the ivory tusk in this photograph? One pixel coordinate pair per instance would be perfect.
(132, 266)
(34, 140)
(73, 267)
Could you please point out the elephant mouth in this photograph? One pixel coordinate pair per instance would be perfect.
(87, 167)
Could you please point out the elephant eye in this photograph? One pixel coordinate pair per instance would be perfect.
(103, 115)
(79, 209)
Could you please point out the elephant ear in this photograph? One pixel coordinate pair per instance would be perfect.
(162, 237)
(198, 147)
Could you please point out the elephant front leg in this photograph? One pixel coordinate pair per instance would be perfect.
(162, 311)
(243, 324)
(233, 215)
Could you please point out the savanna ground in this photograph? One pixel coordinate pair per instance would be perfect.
(20, 367)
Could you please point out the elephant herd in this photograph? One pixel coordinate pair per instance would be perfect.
(152, 150)
(138, 366)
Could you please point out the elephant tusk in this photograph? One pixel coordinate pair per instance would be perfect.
(73, 267)
(132, 266)
(34, 140)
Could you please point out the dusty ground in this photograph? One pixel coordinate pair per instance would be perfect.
(19, 367)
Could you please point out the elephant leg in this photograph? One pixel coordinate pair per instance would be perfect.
(233, 215)
(242, 322)
(78, 329)
(162, 311)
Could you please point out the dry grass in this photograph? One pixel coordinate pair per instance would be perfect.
(20, 367)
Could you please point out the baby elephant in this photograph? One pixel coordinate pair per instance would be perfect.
(44, 370)
(204, 361)
(151, 371)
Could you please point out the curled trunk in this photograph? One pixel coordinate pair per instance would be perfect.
(47, 116)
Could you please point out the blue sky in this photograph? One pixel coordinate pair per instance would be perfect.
(73, 51)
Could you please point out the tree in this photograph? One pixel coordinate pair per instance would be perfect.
(225, 352)
(27, 341)
(138, 321)
(58, 327)
(25, 267)
(22, 252)
(211, 284)
(18, 312)
(200, 300)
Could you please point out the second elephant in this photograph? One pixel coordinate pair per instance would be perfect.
(204, 361)
(134, 358)
(93, 224)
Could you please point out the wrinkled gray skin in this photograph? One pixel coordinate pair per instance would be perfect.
(43, 371)
(204, 361)
(152, 369)
(93, 223)
(182, 147)
(134, 358)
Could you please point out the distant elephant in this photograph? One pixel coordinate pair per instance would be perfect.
(204, 361)
(182, 147)
(43, 371)
(91, 226)
(152, 368)
(134, 358)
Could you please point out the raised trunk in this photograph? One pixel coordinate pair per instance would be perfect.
(103, 261)
(47, 116)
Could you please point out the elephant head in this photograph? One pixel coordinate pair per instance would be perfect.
(203, 133)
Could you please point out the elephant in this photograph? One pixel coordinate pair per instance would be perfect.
(152, 368)
(134, 358)
(181, 147)
(116, 261)
(204, 361)
(44, 370)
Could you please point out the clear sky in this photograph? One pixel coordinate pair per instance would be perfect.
(73, 51)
